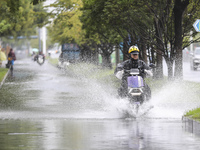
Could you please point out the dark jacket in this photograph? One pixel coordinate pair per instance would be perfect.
(131, 63)
(12, 55)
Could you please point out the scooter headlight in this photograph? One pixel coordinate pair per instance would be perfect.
(135, 92)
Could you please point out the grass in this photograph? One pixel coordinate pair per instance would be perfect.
(3, 72)
(195, 113)
(53, 61)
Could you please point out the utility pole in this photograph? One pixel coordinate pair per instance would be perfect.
(191, 45)
(39, 30)
(44, 39)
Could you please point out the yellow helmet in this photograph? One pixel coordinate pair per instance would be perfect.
(133, 50)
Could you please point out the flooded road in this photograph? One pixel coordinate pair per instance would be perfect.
(42, 107)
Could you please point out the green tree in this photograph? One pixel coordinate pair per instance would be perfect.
(171, 31)
(157, 23)
(4, 18)
(67, 28)
(41, 17)
(119, 20)
(17, 17)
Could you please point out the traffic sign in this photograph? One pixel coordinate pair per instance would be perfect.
(196, 25)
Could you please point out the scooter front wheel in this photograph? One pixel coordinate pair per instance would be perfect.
(136, 106)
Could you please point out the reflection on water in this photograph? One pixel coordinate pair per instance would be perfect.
(96, 134)
(42, 108)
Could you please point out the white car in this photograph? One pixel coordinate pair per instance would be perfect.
(195, 59)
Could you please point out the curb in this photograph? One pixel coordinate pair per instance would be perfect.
(191, 125)
(2, 82)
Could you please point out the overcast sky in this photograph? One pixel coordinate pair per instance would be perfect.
(48, 2)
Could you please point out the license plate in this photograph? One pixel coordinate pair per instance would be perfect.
(137, 103)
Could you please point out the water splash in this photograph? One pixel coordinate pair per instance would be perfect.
(103, 96)
(86, 94)
(173, 100)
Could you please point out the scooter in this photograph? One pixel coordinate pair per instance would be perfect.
(40, 59)
(136, 91)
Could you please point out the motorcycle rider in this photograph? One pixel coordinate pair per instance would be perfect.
(37, 56)
(133, 62)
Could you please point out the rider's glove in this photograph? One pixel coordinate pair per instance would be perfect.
(119, 74)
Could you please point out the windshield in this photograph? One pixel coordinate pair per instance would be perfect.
(197, 51)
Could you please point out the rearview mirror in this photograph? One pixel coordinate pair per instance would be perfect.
(152, 65)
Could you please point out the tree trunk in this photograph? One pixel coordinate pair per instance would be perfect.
(170, 69)
(159, 58)
(94, 57)
(125, 50)
(178, 44)
(152, 60)
(144, 50)
(85, 49)
(106, 61)
(179, 8)
(159, 67)
(117, 55)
